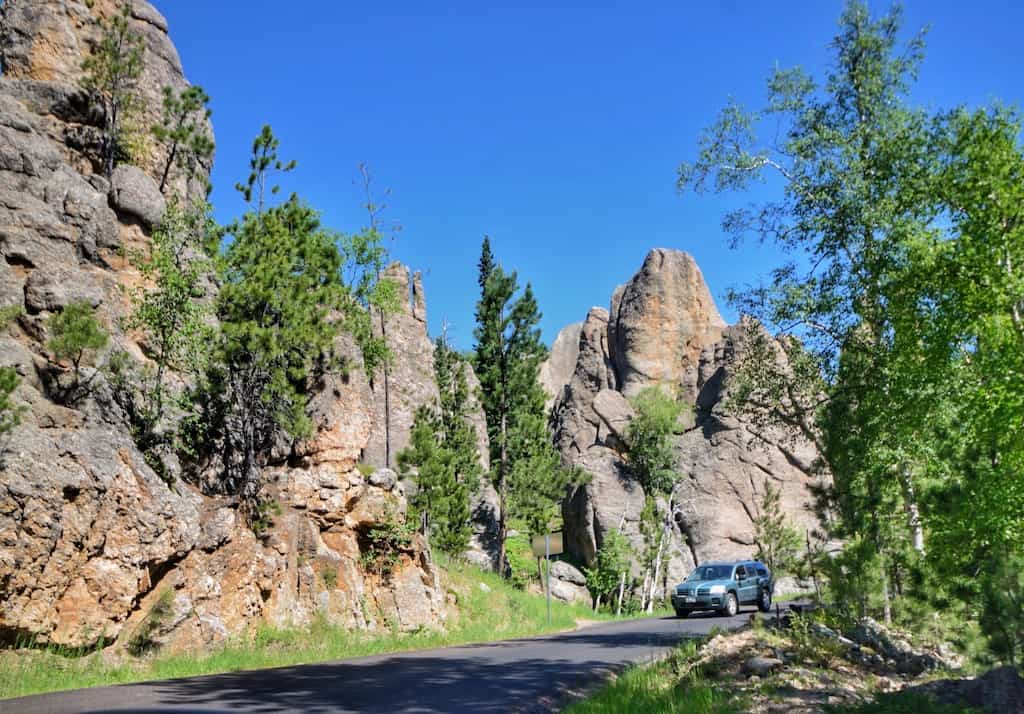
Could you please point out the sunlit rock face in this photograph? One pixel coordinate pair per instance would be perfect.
(94, 545)
(663, 330)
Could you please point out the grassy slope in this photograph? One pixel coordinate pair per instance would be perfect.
(501, 613)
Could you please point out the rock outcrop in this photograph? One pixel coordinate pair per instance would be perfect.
(408, 385)
(94, 545)
(664, 330)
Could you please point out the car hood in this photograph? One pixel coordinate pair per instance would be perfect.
(702, 584)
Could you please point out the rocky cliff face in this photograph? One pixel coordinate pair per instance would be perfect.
(409, 385)
(664, 329)
(91, 539)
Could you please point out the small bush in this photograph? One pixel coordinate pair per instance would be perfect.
(142, 640)
(76, 336)
(383, 545)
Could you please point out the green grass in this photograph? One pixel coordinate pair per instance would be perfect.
(660, 688)
(482, 616)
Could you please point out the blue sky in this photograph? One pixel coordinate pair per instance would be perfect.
(554, 127)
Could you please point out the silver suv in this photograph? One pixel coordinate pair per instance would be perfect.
(724, 587)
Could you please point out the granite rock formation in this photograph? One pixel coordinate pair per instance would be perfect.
(94, 545)
(664, 330)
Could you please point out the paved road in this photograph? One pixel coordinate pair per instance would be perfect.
(511, 676)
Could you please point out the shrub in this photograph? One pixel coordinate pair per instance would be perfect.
(76, 336)
(383, 544)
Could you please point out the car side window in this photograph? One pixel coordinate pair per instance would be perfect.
(763, 572)
(741, 573)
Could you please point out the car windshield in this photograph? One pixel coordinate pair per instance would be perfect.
(711, 572)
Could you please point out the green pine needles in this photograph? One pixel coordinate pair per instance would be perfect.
(443, 458)
(111, 75)
(525, 468)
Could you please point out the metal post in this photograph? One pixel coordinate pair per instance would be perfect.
(547, 559)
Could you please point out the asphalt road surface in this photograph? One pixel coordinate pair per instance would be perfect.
(531, 675)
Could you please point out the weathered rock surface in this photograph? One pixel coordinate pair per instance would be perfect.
(557, 369)
(409, 385)
(660, 322)
(93, 544)
(568, 584)
(664, 330)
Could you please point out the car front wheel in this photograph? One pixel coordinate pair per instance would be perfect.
(764, 601)
(732, 606)
(681, 614)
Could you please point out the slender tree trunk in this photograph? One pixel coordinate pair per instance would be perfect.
(387, 396)
(502, 493)
(622, 588)
(912, 509)
(886, 600)
(167, 168)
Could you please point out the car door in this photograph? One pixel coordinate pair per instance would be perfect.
(747, 584)
(741, 584)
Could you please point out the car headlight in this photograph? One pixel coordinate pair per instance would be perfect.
(717, 589)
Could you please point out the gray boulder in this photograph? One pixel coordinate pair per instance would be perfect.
(568, 584)
(134, 193)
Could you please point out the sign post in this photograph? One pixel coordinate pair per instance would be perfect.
(547, 545)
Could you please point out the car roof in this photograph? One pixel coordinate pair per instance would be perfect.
(733, 563)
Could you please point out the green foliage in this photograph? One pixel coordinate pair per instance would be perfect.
(778, 542)
(111, 74)
(365, 258)
(443, 458)
(383, 544)
(280, 292)
(525, 469)
(1002, 602)
(329, 575)
(169, 310)
(610, 562)
(906, 297)
(9, 314)
(261, 519)
(142, 640)
(648, 440)
(184, 132)
(10, 413)
(522, 564)
(75, 335)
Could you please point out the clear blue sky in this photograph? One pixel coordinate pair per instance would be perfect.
(554, 127)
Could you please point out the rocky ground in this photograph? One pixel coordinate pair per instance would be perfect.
(807, 668)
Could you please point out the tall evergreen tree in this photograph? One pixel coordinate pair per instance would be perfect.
(279, 297)
(525, 469)
(443, 457)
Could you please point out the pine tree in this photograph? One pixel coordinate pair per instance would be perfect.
(525, 469)
(75, 336)
(111, 75)
(184, 132)
(279, 298)
(778, 542)
(443, 458)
